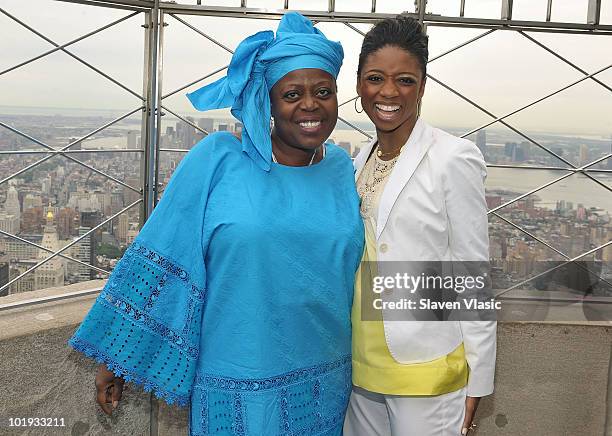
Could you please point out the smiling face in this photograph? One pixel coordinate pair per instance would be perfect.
(305, 110)
(390, 85)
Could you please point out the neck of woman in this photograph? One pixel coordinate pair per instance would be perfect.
(294, 156)
(391, 141)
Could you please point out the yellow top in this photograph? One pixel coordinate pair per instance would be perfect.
(375, 369)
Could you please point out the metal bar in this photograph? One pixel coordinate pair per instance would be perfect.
(476, 38)
(373, 9)
(355, 127)
(57, 253)
(49, 299)
(158, 112)
(51, 251)
(286, 6)
(462, 9)
(58, 48)
(366, 17)
(420, 9)
(541, 241)
(218, 70)
(538, 100)
(69, 53)
(506, 11)
(528, 167)
(195, 29)
(149, 188)
(350, 26)
(119, 150)
(348, 101)
(146, 114)
(549, 10)
(556, 267)
(331, 5)
(594, 12)
(185, 120)
(507, 27)
(25, 135)
(140, 5)
(243, 3)
(176, 150)
(558, 56)
(545, 185)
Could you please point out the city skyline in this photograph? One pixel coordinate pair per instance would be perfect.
(501, 72)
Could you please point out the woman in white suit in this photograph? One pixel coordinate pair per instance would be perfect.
(422, 193)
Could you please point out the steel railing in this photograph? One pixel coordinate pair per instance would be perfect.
(153, 107)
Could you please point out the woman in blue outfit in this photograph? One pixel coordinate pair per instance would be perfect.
(235, 297)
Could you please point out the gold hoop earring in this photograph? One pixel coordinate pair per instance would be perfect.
(357, 110)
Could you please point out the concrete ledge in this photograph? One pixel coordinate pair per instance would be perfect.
(552, 378)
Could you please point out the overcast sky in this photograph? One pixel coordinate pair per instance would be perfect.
(501, 71)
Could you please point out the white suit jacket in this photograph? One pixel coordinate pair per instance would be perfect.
(433, 208)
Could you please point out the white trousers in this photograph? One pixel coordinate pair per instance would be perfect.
(372, 414)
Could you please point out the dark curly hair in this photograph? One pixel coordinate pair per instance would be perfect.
(403, 32)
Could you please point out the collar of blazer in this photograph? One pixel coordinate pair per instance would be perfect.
(415, 149)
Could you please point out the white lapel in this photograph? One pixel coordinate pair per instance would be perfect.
(413, 152)
(362, 157)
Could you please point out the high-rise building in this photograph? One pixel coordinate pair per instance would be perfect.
(123, 227)
(238, 127)
(9, 223)
(84, 253)
(481, 142)
(132, 139)
(31, 220)
(206, 124)
(31, 200)
(11, 205)
(51, 273)
(345, 145)
(67, 222)
(584, 154)
(223, 127)
(4, 275)
(189, 138)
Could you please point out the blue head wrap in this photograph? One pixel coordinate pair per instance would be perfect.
(258, 63)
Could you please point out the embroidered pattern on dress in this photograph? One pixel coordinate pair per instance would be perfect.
(160, 260)
(298, 375)
(284, 413)
(187, 325)
(146, 320)
(320, 424)
(238, 415)
(128, 375)
(204, 411)
(156, 291)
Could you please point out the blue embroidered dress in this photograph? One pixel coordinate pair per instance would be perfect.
(235, 297)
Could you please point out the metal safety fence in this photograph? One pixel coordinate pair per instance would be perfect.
(154, 102)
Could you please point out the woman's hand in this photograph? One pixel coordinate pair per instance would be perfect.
(471, 404)
(108, 389)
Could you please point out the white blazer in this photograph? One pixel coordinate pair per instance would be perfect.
(433, 208)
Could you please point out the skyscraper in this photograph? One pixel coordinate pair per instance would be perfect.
(481, 142)
(50, 274)
(11, 205)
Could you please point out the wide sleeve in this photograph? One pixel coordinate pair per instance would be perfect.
(145, 324)
(466, 207)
